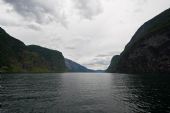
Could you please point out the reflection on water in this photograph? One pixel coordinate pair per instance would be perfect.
(149, 93)
(84, 93)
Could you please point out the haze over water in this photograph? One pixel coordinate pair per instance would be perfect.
(84, 93)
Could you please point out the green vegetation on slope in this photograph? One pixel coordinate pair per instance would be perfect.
(15, 56)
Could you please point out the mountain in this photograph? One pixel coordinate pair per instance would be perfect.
(15, 56)
(149, 49)
(75, 67)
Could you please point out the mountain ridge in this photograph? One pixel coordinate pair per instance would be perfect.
(15, 56)
(148, 50)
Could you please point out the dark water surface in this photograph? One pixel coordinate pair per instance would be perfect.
(84, 93)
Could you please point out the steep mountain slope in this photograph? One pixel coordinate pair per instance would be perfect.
(53, 59)
(75, 67)
(149, 49)
(11, 50)
(15, 56)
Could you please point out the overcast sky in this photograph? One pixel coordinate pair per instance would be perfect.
(89, 32)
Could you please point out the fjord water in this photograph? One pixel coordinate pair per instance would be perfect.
(84, 93)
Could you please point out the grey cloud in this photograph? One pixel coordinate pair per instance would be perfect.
(104, 55)
(55, 38)
(70, 48)
(44, 12)
(101, 60)
(33, 27)
(88, 8)
(111, 53)
(38, 11)
(98, 63)
(6, 22)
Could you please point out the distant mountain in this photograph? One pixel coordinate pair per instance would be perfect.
(149, 49)
(15, 56)
(75, 67)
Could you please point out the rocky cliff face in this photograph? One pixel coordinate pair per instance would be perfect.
(149, 49)
(15, 56)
